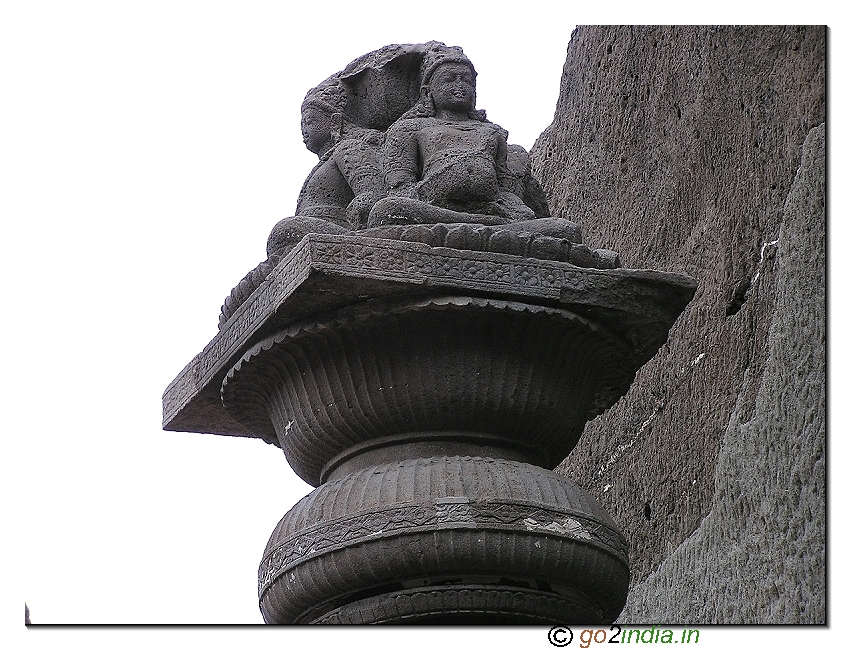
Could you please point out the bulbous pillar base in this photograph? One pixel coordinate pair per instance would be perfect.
(465, 604)
(452, 539)
(426, 388)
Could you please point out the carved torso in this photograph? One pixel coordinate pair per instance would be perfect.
(449, 162)
(325, 193)
(351, 168)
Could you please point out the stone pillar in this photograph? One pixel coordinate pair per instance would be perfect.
(427, 392)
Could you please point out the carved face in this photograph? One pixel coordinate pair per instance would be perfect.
(453, 87)
(315, 128)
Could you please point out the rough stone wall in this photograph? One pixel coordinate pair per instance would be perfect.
(683, 149)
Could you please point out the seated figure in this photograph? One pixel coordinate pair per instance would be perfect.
(342, 188)
(443, 161)
(442, 174)
(338, 193)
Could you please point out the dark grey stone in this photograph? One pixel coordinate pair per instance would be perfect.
(326, 273)
(526, 546)
(400, 143)
(683, 148)
(425, 342)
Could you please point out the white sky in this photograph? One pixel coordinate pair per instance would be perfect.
(147, 150)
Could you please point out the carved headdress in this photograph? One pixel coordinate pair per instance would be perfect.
(330, 97)
(438, 56)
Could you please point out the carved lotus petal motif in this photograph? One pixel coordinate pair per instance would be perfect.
(519, 376)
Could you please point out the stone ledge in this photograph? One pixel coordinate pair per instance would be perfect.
(327, 272)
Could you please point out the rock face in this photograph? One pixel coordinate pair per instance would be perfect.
(701, 150)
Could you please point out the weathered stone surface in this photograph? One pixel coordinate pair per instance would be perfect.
(359, 352)
(401, 143)
(493, 373)
(678, 147)
(427, 370)
(410, 527)
(760, 552)
(326, 273)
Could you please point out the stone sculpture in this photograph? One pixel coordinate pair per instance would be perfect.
(347, 181)
(443, 160)
(390, 124)
(425, 343)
